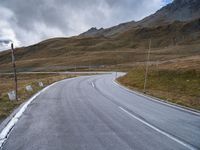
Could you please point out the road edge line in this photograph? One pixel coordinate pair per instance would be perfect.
(4, 133)
(158, 100)
(191, 147)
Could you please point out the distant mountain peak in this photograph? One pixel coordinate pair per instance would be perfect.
(92, 31)
(178, 10)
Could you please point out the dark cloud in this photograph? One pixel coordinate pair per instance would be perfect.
(5, 42)
(29, 21)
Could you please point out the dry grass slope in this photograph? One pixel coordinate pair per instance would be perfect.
(177, 40)
(6, 85)
(178, 86)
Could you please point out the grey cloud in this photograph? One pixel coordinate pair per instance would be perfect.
(3, 42)
(29, 21)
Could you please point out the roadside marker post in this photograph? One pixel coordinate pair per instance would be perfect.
(14, 70)
(12, 95)
(29, 88)
(41, 84)
(147, 67)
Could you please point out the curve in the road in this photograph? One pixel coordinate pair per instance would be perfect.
(92, 112)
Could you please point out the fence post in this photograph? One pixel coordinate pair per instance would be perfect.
(14, 70)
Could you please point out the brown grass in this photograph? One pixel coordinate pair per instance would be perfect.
(7, 84)
(178, 86)
(173, 41)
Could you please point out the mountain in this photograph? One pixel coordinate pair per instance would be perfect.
(92, 32)
(173, 41)
(172, 37)
(109, 31)
(178, 10)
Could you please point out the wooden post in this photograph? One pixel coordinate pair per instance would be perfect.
(14, 69)
(147, 67)
(75, 68)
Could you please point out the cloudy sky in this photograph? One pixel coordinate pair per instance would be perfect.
(26, 22)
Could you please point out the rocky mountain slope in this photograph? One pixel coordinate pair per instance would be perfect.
(179, 10)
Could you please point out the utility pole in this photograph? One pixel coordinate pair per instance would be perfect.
(147, 66)
(75, 68)
(14, 69)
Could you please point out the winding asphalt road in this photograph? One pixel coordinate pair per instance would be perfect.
(94, 113)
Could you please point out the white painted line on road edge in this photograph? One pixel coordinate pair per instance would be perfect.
(92, 84)
(160, 131)
(164, 102)
(5, 132)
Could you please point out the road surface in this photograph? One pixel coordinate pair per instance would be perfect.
(93, 113)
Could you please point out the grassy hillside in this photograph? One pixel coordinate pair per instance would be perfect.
(6, 85)
(178, 86)
(177, 40)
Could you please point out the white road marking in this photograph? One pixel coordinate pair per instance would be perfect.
(183, 108)
(160, 131)
(93, 84)
(5, 132)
